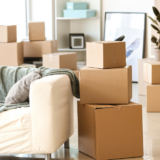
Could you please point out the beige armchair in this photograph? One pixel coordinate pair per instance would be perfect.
(45, 125)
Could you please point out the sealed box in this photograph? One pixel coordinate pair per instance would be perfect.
(151, 72)
(77, 73)
(36, 31)
(60, 60)
(38, 48)
(11, 54)
(153, 100)
(106, 54)
(76, 5)
(110, 131)
(8, 33)
(79, 13)
(106, 86)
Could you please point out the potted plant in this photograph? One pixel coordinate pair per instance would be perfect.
(156, 27)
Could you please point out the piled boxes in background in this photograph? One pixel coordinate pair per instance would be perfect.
(109, 125)
(11, 51)
(151, 75)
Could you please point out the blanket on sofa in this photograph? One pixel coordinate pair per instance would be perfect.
(10, 75)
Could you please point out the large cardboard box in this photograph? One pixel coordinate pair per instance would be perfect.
(8, 33)
(110, 131)
(141, 83)
(151, 73)
(153, 100)
(36, 31)
(60, 60)
(38, 48)
(106, 86)
(11, 54)
(106, 54)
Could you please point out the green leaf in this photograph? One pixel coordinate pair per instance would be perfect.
(155, 10)
(154, 27)
(154, 39)
(157, 43)
(154, 21)
(158, 18)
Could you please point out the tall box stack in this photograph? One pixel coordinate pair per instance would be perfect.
(11, 51)
(152, 77)
(37, 44)
(109, 125)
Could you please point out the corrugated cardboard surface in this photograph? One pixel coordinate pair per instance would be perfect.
(153, 100)
(151, 72)
(77, 72)
(38, 48)
(106, 54)
(106, 86)
(36, 31)
(11, 54)
(110, 131)
(61, 60)
(141, 83)
(8, 33)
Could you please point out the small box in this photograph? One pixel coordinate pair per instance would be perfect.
(77, 72)
(110, 131)
(151, 72)
(106, 54)
(76, 5)
(60, 60)
(153, 100)
(11, 54)
(38, 48)
(79, 13)
(8, 33)
(37, 31)
(106, 86)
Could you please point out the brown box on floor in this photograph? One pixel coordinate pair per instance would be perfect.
(110, 131)
(153, 100)
(60, 60)
(38, 48)
(36, 31)
(77, 73)
(106, 86)
(151, 72)
(106, 54)
(11, 54)
(8, 33)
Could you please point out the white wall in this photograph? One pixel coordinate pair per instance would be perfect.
(130, 6)
(41, 10)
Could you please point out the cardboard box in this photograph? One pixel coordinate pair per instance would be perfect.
(37, 31)
(38, 48)
(106, 86)
(151, 73)
(106, 54)
(8, 33)
(60, 60)
(110, 131)
(141, 83)
(77, 72)
(11, 54)
(153, 100)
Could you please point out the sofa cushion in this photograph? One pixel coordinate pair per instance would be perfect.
(19, 92)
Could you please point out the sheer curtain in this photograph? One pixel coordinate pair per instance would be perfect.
(13, 12)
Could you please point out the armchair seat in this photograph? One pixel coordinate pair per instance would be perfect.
(45, 125)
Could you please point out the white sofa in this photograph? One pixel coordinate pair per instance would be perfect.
(45, 125)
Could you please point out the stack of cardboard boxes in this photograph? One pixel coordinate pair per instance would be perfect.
(11, 51)
(151, 75)
(109, 125)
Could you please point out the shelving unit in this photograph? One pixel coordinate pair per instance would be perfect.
(91, 27)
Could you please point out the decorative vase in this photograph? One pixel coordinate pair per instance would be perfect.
(157, 54)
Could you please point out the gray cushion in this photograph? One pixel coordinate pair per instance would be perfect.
(19, 92)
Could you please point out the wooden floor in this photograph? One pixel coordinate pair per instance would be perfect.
(151, 126)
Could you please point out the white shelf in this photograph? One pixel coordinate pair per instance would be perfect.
(64, 18)
(70, 50)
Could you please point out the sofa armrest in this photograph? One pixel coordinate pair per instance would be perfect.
(51, 103)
